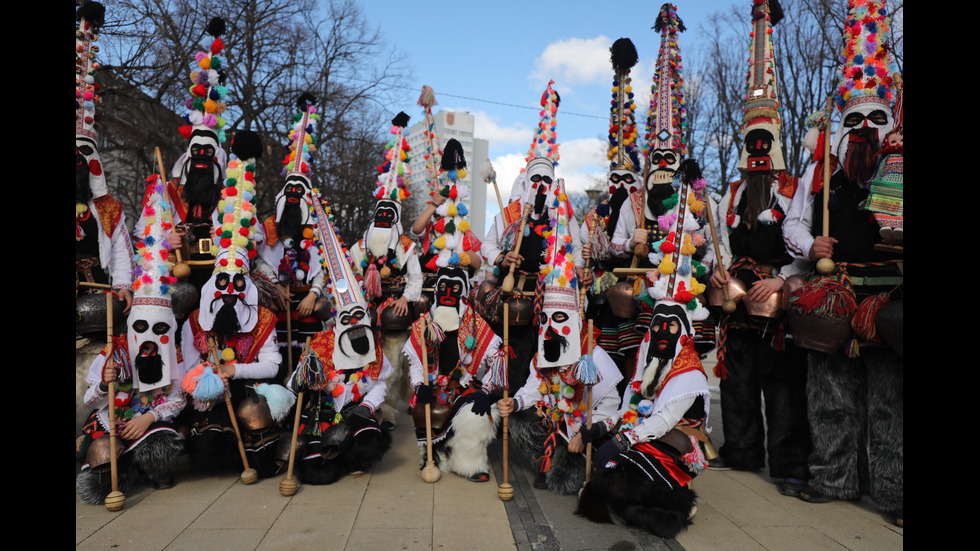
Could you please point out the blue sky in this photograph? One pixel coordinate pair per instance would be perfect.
(494, 59)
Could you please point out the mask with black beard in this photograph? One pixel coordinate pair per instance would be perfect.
(200, 190)
(539, 200)
(149, 363)
(226, 323)
(554, 345)
(859, 161)
(290, 224)
(656, 195)
(757, 196)
(83, 191)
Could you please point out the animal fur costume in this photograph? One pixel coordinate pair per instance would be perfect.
(855, 403)
(755, 359)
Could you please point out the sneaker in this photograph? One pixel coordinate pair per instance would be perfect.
(718, 464)
(479, 477)
(791, 487)
(898, 517)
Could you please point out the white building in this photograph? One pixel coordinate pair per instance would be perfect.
(458, 125)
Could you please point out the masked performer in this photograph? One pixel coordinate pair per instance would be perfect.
(146, 366)
(855, 395)
(344, 384)
(555, 432)
(103, 250)
(645, 470)
(389, 264)
(755, 359)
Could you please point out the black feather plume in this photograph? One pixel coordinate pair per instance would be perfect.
(623, 54)
(664, 17)
(216, 27)
(92, 12)
(775, 12)
(691, 170)
(452, 156)
(304, 101)
(400, 120)
(247, 145)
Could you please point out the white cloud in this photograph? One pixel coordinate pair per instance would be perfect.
(486, 127)
(574, 61)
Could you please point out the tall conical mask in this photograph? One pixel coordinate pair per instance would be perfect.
(665, 145)
(761, 149)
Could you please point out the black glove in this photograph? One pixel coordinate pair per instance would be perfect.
(481, 403)
(359, 417)
(423, 394)
(597, 431)
(615, 446)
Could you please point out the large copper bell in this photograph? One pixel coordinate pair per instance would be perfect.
(890, 323)
(813, 332)
(99, 451)
(390, 321)
(790, 286)
(92, 315)
(321, 308)
(440, 415)
(253, 413)
(621, 302)
(336, 440)
(769, 308)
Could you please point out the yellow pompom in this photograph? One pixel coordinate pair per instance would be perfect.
(307, 233)
(209, 106)
(543, 389)
(451, 210)
(464, 259)
(696, 287)
(688, 248)
(666, 266)
(463, 226)
(461, 173)
(696, 206)
(441, 242)
(385, 272)
(228, 354)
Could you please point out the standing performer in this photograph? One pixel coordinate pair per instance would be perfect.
(613, 306)
(523, 221)
(754, 358)
(103, 250)
(389, 263)
(554, 387)
(457, 343)
(146, 366)
(855, 402)
(645, 470)
(346, 384)
(288, 254)
(231, 320)
(197, 175)
(425, 226)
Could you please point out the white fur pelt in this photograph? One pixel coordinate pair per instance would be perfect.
(464, 452)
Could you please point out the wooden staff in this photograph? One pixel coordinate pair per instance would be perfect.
(505, 491)
(289, 329)
(588, 418)
(490, 176)
(430, 473)
(728, 306)
(249, 475)
(288, 486)
(116, 500)
(508, 284)
(825, 266)
(642, 250)
(181, 270)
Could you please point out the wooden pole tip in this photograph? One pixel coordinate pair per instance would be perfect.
(250, 476)
(431, 473)
(505, 492)
(288, 487)
(115, 501)
(825, 266)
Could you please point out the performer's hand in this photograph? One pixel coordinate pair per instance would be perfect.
(639, 236)
(586, 252)
(110, 373)
(306, 305)
(175, 240)
(136, 428)
(505, 406)
(610, 449)
(481, 403)
(283, 297)
(400, 307)
(423, 394)
(358, 418)
(584, 276)
(126, 296)
(719, 279)
(764, 288)
(437, 199)
(511, 258)
(575, 445)
(823, 247)
(597, 431)
(227, 373)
